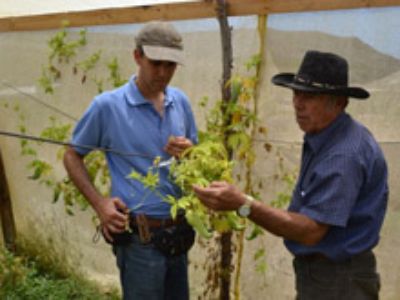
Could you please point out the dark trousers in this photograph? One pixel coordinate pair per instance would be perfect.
(318, 278)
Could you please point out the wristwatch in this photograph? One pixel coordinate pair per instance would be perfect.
(245, 209)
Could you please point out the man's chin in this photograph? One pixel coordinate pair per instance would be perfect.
(303, 127)
(159, 86)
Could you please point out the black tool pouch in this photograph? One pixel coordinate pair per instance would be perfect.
(120, 239)
(174, 240)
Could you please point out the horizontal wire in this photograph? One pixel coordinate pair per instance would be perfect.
(37, 100)
(55, 142)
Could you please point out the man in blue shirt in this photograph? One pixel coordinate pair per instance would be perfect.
(144, 116)
(339, 202)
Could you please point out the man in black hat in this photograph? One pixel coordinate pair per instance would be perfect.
(339, 202)
(148, 117)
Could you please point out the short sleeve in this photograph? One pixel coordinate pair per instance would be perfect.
(88, 129)
(330, 191)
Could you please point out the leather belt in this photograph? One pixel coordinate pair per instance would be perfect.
(146, 226)
(156, 223)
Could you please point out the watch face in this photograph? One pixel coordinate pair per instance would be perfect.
(244, 210)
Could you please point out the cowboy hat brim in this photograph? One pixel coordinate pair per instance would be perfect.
(288, 80)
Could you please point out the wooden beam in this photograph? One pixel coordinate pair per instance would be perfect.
(6, 214)
(192, 9)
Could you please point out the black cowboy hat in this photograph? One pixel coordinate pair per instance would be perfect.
(323, 73)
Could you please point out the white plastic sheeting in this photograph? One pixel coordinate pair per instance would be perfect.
(370, 43)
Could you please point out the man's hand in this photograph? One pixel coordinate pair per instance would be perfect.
(289, 225)
(220, 195)
(114, 216)
(176, 145)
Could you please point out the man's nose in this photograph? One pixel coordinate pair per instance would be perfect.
(162, 70)
(159, 70)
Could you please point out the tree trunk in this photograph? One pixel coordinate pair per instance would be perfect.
(226, 238)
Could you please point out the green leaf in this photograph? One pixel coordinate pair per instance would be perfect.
(255, 232)
(198, 224)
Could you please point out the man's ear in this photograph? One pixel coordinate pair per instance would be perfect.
(343, 102)
(137, 55)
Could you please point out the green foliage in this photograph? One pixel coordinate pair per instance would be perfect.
(200, 165)
(115, 76)
(254, 62)
(150, 180)
(255, 232)
(56, 130)
(40, 168)
(227, 131)
(11, 271)
(62, 50)
(21, 278)
(45, 81)
(63, 188)
(259, 258)
(289, 179)
(89, 63)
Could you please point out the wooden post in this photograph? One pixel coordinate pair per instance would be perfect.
(6, 214)
(227, 59)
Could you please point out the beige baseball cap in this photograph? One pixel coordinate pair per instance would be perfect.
(161, 41)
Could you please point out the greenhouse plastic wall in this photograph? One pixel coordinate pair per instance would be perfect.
(366, 37)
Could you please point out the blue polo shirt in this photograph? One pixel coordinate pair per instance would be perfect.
(343, 183)
(124, 120)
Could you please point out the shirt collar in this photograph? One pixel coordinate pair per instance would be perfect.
(135, 98)
(317, 140)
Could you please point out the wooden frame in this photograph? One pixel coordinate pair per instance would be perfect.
(6, 213)
(192, 9)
